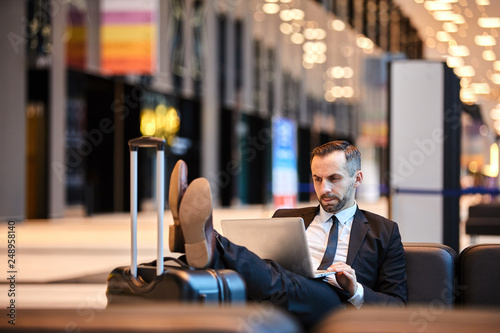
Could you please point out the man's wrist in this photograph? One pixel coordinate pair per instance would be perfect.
(359, 296)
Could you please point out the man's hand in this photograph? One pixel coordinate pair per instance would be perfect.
(346, 277)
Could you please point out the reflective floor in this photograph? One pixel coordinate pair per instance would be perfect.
(63, 263)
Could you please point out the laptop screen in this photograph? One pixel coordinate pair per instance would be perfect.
(280, 239)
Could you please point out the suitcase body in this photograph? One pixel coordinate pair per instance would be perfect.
(180, 284)
(156, 282)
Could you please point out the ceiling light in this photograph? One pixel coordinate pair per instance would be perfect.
(435, 5)
(495, 78)
(482, 2)
(321, 58)
(465, 82)
(309, 58)
(337, 92)
(467, 95)
(310, 33)
(286, 28)
(271, 8)
(481, 88)
(338, 25)
(297, 38)
(286, 15)
(298, 14)
(292, 14)
(465, 71)
(459, 19)
(337, 72)
(308, 47)
(320, 33)
(321, 47)
(444, 15)
(489, 22)
(496, 65)
(329, 97)
(458, 51)
(443, 36)
(489, 55)
(307, 65)
(364, 42)
(348, 92)
(453, 62)
(485, 40)
(348, 72)
(495, 114)
(491, 170)
(450, 27)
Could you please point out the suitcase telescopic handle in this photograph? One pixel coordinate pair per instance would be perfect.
(147, 141)
(134, 145)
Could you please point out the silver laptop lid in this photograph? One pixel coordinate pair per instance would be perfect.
(280, 239)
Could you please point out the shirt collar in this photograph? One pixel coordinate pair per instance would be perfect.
(343, 216)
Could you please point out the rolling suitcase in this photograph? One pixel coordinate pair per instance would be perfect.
(159, 281)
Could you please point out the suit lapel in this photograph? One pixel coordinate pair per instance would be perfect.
(359, 230)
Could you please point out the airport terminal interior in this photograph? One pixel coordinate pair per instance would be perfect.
(242, 91)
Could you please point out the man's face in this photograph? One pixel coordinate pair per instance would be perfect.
(332, 183)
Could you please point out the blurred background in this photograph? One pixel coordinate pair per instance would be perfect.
(243, 91)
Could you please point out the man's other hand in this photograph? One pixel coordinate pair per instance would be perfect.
(346, 277)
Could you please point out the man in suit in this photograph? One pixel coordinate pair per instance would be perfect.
(363, 249)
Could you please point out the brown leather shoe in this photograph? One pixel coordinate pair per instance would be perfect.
(195, 215)
(178, 186)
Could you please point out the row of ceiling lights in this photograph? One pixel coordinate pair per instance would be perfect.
(312, 38)
(450, 13)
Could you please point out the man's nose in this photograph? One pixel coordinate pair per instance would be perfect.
(326, 186)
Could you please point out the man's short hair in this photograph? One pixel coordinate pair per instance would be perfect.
(352, 154)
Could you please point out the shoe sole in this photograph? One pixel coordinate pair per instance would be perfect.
(194, 213)
(178, 184)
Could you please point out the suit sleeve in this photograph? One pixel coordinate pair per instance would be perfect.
(391, 286)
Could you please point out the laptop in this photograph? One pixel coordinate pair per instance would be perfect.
(280, 239)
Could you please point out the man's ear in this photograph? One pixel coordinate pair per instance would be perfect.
(358, 178)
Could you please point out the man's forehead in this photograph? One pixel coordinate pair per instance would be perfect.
(332, 163)
(337, 157)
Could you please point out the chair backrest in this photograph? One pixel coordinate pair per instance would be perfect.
(155, 317)
(484, 219)
(430, 270)
(479, 275)
(410, 319)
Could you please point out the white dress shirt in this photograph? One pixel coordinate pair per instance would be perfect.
(317, 237)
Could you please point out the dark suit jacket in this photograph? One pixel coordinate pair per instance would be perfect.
(375, 252)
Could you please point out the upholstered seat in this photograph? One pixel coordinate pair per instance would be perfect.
(430, 270)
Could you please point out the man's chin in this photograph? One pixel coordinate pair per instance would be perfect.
(331, 207)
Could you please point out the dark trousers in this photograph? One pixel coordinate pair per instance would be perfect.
(308, 299)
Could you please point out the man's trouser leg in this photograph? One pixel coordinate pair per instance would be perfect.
(309, 299)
